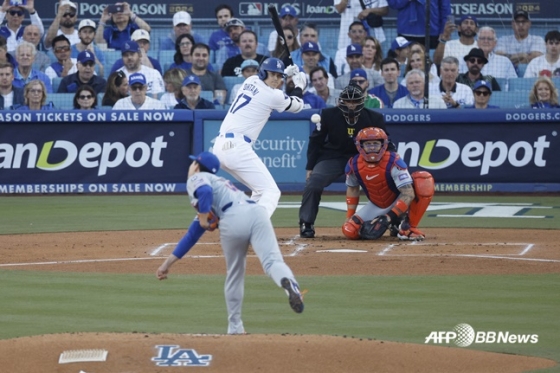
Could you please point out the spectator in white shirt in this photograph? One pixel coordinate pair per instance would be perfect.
(64, 65)
(13, 31)
(357, 33)
(64, 24)
(497, 66)
(138, 100)
(132, 59)
(455, 95)
(320, 81)
(458, 48)
(351, 10)
(547, 64)
(288, 17)
(521, 47)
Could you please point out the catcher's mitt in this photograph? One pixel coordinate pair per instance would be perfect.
(373, 229)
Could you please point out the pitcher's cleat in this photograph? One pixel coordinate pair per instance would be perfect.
(294, 295)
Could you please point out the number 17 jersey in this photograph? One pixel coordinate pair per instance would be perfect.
(252, 107)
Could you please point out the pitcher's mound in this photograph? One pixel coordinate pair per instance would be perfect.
(140, 352)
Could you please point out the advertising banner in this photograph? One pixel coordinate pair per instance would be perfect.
(136, 152)
(307, 10)
(105, 156)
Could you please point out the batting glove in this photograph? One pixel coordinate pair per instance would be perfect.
(300, 80)
(291, 70)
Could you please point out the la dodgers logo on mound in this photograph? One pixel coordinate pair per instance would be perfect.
(174, 356)
(463, 335)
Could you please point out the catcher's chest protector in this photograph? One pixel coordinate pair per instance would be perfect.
(376, 179)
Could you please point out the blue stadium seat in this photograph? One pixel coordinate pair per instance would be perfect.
(510, 100)
(230, 81)
(166, 59)
(503, 82)
(110, 58)
(56, 84)
(61, 101)
(208, 95)
(521, 84)
(521, 69)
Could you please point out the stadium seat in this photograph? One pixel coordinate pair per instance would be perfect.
(166, 59)
(61, 101)
(100, 99)
(230, 81)
(521, 69)
(111, 56)
(510, 100)
(521, 84)
(503, 82)
(56, 84)
(208, 95)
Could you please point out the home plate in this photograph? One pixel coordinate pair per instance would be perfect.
(342, 251)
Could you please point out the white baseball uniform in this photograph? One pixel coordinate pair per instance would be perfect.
(149, 104)
(153, 78)
(242, 125)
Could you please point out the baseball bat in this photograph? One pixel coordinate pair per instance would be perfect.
(276, 21)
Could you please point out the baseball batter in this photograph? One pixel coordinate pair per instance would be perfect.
(396, 198)
(256, 99)
(241, 222)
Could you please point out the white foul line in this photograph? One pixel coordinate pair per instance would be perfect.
(299, 247)
(385, 250)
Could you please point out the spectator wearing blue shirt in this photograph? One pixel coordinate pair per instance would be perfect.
(142, 37)
(117, 28)
(35, 97)
(85, 75)
(182, 24)
(412, 15)
(25, 56)
(391, 90)
(220, 38)
(86, 33)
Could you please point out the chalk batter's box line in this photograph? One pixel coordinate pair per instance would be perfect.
(389, 250)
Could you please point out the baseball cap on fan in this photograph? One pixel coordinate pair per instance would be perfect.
(208, 160)
(140, 34)
(85, 56)
(182, 17)
(69, 3)
(353, 50)
(191, 79)
(399, 43)
(86, 23)
(136, 78)
(521, 13)
(249, 63)
(288, 10)
(130, 46)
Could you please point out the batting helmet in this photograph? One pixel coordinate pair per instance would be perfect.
(271, 64)
(351, 94)
(372, 134)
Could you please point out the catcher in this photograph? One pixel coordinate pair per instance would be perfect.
(397, 200)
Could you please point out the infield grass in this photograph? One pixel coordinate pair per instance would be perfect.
(394, 308)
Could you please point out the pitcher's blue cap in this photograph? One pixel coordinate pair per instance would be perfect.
(208, 160)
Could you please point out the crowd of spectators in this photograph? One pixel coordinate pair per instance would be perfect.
(468, 60)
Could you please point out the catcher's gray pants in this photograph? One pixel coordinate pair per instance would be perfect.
(324, 174)
(240, 226)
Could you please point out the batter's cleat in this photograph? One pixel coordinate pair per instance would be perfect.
(307, 230)
(294, 295)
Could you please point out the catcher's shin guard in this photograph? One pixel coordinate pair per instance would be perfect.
(424, 188)
(351, 229)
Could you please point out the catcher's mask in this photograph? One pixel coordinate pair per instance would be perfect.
(351, 102)
(372, 152)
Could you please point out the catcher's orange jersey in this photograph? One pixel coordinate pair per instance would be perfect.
(375, 178)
